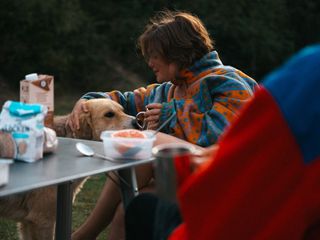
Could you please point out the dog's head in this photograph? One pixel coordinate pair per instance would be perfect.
(103, 114)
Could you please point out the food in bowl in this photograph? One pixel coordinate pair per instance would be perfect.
(126, 148)
(129, 133)
(128, 144)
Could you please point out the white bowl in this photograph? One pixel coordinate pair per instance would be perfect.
(127, 148)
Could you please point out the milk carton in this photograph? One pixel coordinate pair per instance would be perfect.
(39, 89)
(25, 124)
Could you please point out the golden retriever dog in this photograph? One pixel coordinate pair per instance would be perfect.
(35, 211)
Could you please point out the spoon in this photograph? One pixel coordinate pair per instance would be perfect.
(134, 150)
(88, 151)
(163, 124)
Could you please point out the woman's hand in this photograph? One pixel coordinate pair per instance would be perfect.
(152, 115)
(202, 156)
(73, 119)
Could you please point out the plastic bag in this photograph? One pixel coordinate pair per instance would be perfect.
(25, 123)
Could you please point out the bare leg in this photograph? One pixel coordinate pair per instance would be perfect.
(117, 225)
(101, 214)
(165, 138)
(106, 206)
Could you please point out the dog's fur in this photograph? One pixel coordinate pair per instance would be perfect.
(35, 211)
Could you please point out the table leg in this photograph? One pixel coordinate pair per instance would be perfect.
(128, 192)
(64, 211)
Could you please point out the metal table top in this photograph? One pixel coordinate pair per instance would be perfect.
(65, 164)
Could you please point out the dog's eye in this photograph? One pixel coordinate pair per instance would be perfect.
(109, 114)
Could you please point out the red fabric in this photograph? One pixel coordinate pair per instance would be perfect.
(257, 186)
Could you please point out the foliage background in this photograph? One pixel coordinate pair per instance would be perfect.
(91, 45)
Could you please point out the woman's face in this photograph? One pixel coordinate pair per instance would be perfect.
(163, 70)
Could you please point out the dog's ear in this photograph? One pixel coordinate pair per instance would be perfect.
(85, 131)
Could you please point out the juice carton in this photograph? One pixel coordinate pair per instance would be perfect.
(39, 89)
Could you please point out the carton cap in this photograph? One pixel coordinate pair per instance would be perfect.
(31, 76)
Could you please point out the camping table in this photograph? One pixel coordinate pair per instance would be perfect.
(62, 168)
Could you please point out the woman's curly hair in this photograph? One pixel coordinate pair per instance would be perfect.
(178, 37)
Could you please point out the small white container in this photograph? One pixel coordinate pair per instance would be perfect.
(4, 171)
(127, 148)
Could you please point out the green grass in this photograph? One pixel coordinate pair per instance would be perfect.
(82, 207)
(8, 230)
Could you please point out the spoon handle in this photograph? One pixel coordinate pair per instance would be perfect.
(164, 123)
(106, 158)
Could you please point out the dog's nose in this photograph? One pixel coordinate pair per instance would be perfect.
(135, 124)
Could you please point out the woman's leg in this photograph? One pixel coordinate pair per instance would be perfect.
(165, 138)
(101, 215)
(105, 208)
(117, 231)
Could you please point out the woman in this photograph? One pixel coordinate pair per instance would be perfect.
(261, 182)
(193, 84)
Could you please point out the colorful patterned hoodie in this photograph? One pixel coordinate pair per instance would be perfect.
(204, 106)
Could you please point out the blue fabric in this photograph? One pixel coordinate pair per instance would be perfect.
(93, 95)
(299, 98)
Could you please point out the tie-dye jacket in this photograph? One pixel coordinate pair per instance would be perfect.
(204, 106)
